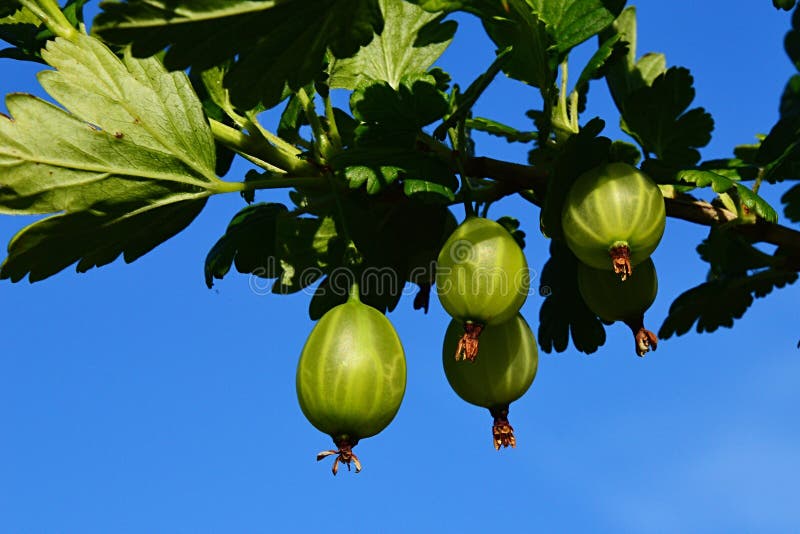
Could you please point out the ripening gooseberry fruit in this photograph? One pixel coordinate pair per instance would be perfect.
(614, 211)
(482, 279)
(614, 300)
(503, 373)
(351, 376)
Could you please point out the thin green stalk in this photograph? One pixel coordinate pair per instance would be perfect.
(457, 141)
(333, 128)
(354, 294)
(50, 14)
(254, 126)
(759, 179)
(323, 144)
(565, 116)
(248, 145)
(270, 183)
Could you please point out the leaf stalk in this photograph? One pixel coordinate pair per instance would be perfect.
(51, 15)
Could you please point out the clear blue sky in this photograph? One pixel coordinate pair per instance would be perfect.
(133, 399)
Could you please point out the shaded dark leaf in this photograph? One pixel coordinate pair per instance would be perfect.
(249, 242)
(93, 238)
(512, 225)
(659, 118)
(274, 43)
(563, 313)
(512, 135)
(720, 301)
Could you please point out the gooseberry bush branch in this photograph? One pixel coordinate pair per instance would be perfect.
(135, 146)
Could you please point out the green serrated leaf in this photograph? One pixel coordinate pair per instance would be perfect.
(563, 313)
(384, 145)
(133, 145)
(428, 191)
(626, 75)
(212, 110)
(598, 62)
(416, 103)
(411, 41)
(275, 42)
(512, 25)
(749, 200)
(512, 135)
(374, 178)
(649, 67)
(618, 73)
(521, 31)
(380, 166)
(571, 22)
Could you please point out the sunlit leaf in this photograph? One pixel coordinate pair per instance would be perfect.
(411, 41)
(720, 184)
(131, 150)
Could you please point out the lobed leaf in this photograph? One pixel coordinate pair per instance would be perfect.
(657, 116)
(597, 63)
(564, 314)
(132, 150)
(739, 272)
(384, 147)
(571, 22)
(720, 301)
(94, 238)
(411, 41)
(248, 243)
